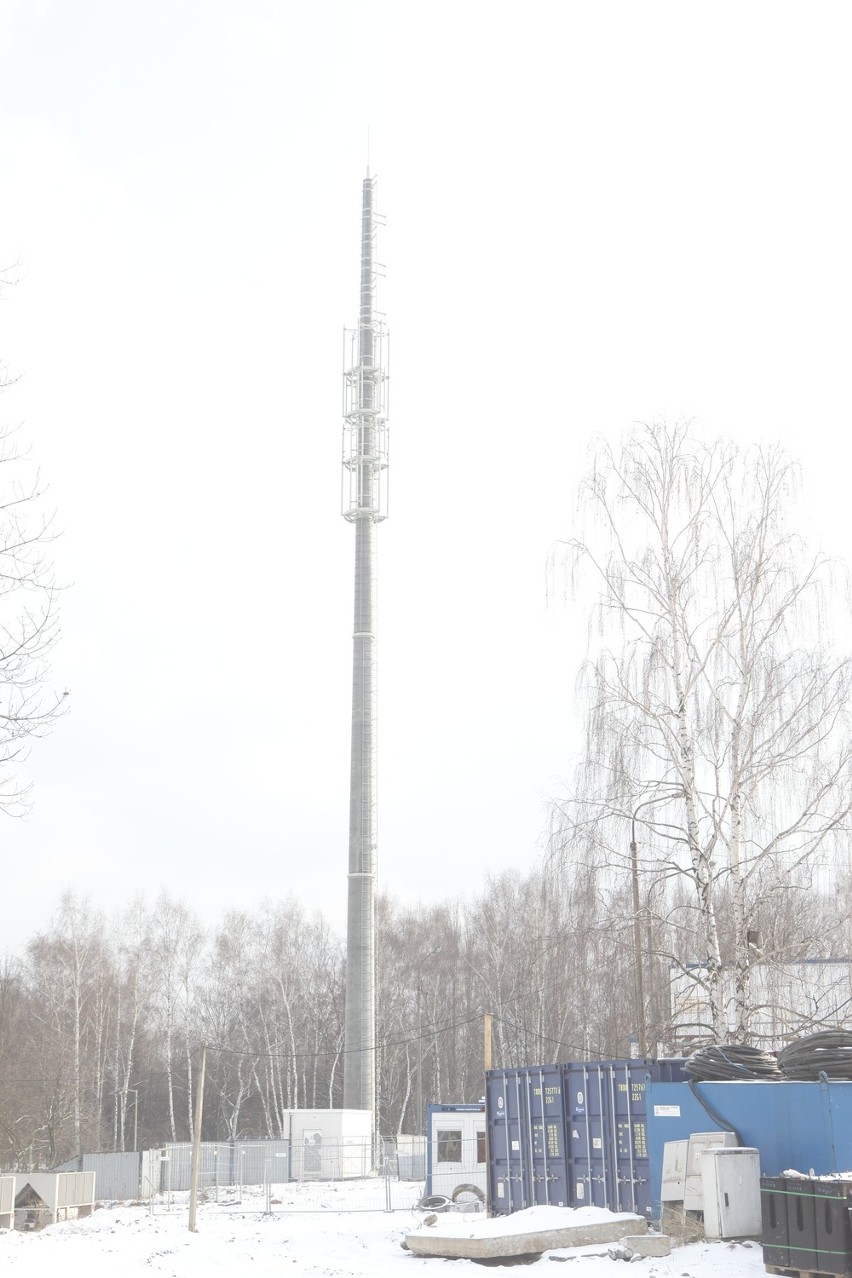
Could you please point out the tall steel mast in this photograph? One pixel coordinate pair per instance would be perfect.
(364, 504)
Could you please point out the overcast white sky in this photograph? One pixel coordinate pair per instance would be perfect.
(597, 213)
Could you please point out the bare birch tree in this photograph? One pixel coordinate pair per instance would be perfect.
(717, 713)
(68, 971)
(133, 985)
(178, 943)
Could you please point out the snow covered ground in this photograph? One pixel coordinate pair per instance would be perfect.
(240, 1239)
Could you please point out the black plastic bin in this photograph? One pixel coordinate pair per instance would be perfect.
(773, 1209)
(806, 1224)
(833, 1232)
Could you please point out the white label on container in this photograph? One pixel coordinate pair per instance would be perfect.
(575, 1133)
(579, 1098)
(516, 1144)
(667, 1111)
(501, 1190)
(596, 1142)
(581, 1190)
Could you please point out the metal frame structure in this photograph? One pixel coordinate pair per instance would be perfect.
(364, 503)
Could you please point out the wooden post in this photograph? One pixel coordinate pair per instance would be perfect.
(196, 1145)
(486, 1060)
(637, 947)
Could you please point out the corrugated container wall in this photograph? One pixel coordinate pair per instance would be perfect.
(572, 1135)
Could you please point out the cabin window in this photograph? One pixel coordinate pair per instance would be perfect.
(449, 1146)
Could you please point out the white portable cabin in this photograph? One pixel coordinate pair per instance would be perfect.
(7, 1202)
(330, 1144)
(455, 1149)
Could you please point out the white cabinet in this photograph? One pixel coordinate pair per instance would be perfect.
(699, 1143)
(674, 1170)
(730, 1181)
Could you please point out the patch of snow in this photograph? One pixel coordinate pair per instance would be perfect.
(237, 1239)
(809, 1175)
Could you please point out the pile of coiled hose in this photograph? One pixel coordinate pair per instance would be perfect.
(726, 1061)
(828, 1053)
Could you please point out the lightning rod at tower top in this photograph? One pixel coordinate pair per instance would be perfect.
(364, 503)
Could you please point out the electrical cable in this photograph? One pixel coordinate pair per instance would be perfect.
(378, 1047)
(726, 1062)
(714, 1113)
(579, 1051)
(828, 1052)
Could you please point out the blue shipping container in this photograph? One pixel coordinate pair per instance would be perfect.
(571, 1134)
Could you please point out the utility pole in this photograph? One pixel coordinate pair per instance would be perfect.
(637, 945)
(420, 1124)
(135, 1091)
(196, 1145)
(486, 1061)
(641, 1028)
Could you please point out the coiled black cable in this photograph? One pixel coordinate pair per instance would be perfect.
(724, 1062)
(829, 1052)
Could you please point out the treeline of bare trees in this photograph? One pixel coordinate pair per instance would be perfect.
(102, 1018)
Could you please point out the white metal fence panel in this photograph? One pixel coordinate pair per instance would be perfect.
(7, 1202)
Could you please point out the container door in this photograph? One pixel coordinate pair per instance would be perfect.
(507, 1122)
(608, 1135)
(631, 1135)
(546, 1145)
(590, 1157)
(496, 1109)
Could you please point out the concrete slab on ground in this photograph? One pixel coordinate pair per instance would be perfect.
(502, 1238)
(649, 1244)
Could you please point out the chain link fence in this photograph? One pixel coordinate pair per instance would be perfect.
(275, 1177)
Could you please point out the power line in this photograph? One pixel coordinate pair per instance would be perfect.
(291, 1056)
(543, 1038)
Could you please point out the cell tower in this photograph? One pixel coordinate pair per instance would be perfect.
(365, 459)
